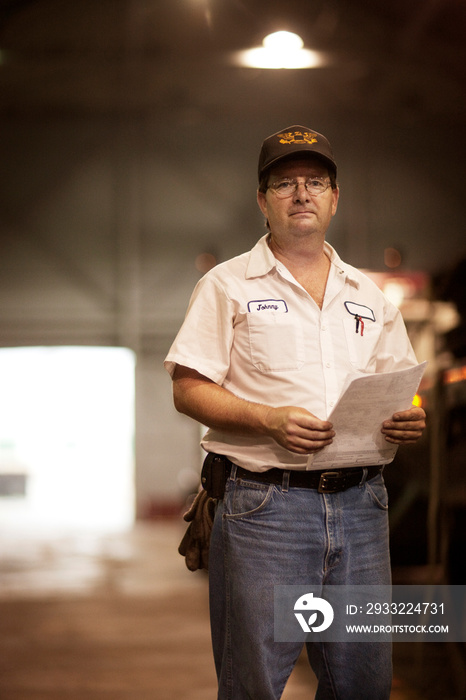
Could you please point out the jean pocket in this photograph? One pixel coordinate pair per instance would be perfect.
(246, 498)
(375, 488)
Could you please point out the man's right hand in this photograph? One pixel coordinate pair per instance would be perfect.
(298, 430)
(292, 427)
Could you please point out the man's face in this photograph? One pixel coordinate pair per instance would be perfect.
(301, 214)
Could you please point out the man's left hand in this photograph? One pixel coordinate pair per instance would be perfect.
(405, 427)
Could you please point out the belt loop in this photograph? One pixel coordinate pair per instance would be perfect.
(363, 478)
(232, 476)
(286, 481)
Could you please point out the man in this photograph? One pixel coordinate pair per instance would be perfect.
(268, 340)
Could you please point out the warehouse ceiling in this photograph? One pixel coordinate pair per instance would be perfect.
(174, 57)
(130, 138)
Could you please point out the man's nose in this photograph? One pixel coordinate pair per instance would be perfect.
(301, 194)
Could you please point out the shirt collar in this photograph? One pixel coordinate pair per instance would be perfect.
(341, 268)
(262, 261)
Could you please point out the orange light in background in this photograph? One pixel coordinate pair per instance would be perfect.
(392, 257)
(417, 401)
(455, 374)
(205, 262)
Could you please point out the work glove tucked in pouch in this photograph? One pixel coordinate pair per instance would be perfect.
(195, 544)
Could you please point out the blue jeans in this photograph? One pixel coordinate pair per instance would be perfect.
(267, 535)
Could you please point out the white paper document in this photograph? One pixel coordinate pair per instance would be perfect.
(365, 403)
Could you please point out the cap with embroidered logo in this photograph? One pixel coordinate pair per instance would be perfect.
(293, 141)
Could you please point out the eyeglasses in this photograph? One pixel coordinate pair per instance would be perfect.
(288, 186)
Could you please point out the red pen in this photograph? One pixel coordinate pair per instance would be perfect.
(359, 324)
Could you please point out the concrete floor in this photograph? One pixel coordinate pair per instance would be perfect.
(119, 617)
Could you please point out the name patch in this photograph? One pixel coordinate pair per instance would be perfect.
(359, 310)
(259, 305)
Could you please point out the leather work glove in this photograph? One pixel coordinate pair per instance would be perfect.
(195, 544)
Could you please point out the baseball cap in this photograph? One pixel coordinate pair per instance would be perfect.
(293, 141)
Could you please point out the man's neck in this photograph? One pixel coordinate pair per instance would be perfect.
(309, 265)
(302, 254)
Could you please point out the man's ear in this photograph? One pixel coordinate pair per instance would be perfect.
(262, 202)
(336, 196)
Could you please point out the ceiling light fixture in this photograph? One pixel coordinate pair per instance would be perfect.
(280, 50)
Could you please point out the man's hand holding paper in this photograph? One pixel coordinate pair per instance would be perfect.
(363, 434)
(405, 427)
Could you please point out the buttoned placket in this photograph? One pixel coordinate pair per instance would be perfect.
(335, 284)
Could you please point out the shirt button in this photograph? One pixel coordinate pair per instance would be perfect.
(328, 364)
(324, 328)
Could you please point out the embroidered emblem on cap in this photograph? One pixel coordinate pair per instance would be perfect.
(297, 137)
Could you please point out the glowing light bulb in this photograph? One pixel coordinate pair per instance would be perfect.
(280, 50)
(283, 41)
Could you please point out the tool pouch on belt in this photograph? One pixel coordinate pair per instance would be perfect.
(194, 546)
(214, 475)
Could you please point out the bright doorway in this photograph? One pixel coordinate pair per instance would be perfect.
(66, 439)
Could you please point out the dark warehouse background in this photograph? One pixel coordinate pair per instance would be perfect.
(129, 145)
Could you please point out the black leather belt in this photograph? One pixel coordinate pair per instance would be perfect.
(326, 481)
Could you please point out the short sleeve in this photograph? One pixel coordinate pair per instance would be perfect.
(395, 351)
(204, 341)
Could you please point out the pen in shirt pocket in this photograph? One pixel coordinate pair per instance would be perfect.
(359, 324)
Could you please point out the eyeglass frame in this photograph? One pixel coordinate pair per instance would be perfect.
(294, 181)
(263, 182)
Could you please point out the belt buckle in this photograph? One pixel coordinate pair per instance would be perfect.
(330, 482)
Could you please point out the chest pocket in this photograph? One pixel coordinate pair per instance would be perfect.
(362, 346)
(276, 343)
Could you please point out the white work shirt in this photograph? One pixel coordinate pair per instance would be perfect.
(253, 329)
